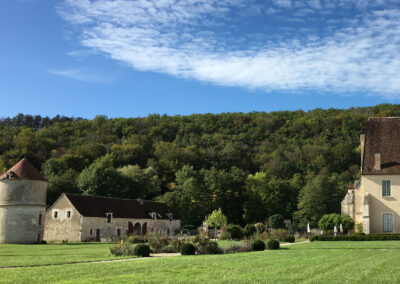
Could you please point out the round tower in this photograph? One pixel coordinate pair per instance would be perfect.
(22, 204)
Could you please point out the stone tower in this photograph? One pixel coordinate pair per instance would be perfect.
(22, 204)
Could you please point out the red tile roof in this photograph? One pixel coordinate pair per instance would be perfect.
(23, 170)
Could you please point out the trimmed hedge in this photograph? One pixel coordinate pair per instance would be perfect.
(273, 244)
(290, 239)
(188, 249)
(371, 237)
(142, 250)
(258, 245)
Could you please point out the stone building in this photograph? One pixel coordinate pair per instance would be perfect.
(92, 218)
(374, 200)
(22, 204)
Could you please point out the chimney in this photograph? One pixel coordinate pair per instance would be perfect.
(377, 165)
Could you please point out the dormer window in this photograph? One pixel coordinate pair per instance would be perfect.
(109, 217)
(170, 216)
(154, 215)
(55, 214)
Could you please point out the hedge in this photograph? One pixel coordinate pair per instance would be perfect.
(371, 237)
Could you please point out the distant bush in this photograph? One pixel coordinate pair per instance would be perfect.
(136, 240)
(290, 239)
(328, 233)
(209, 248)
(260, 227)
(276, 221)
(177, 243)
(142, 250)
(157, 242)
(122, 249)
(237, 249)
(249, 230)
(279, 234)
(224, 235)
(235, 231)
(358, 234)
(188, 249)
(273, 244)
(329, 221)
(258, 245)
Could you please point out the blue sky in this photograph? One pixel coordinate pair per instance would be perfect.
(132, 58)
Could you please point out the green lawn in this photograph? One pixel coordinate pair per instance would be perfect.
(23, 255)
(317, 262)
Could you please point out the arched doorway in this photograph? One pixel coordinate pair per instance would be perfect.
(137, 231)
(144, 229)
(130, 228)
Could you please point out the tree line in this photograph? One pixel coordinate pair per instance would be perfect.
(251, 165)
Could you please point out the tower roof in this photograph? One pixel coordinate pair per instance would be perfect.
(23, 170)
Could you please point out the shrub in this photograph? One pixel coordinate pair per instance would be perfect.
(142, 250)
(187, 249)
(209, 248)
(359, 227)
(136, 240)
(249, 230)
(260, 227)
(235, 231)
(224, 235)
(328, 221)
(279, 234)
(122, 249)
(237, 248)
(258, 245)
(358, 234)
(276, 221)
(156, 242)
(328, 233)
(290, 239)
(273, 244)
(177, 243)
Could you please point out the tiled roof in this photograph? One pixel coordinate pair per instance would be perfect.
(98, 206)
(23, 170)
(382, 136)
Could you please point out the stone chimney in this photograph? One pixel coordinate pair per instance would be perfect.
(377, 165)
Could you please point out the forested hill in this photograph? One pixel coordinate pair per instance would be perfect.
(250, 165)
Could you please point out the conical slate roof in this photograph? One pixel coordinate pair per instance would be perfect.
(23, 170)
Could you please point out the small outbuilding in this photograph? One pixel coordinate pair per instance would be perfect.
(93, 218)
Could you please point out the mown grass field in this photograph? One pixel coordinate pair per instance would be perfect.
(23, 255)
(317, 262)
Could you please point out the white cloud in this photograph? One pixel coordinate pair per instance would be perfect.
(81, 75)
(179, 37)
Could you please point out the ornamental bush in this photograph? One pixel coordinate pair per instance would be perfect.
(290, 239)
(122, 249)
(273, 244)
(372, 237)
(142, 250)
(188, 249)
(249, 230)
(237, 248)
(258, 245)
(329, 221)
(235, 231)
(209, 248)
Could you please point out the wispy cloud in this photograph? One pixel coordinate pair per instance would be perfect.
(198, 39)
(81, 75)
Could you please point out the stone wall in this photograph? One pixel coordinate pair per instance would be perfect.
(62, 228)
(21, 204)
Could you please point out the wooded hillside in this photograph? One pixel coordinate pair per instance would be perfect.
(250, 165)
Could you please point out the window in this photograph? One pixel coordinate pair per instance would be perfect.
(154, 215)
(68, 214)
(386, 188)
(91, 231)
(55, 214)
(109, 217)
(171, 216)
(387, 222)
(118, 232)
(40, 219)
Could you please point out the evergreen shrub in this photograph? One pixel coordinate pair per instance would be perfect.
(273, 244)
(290, 239)
(142, 250)
(258, 245)
(188, 249)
